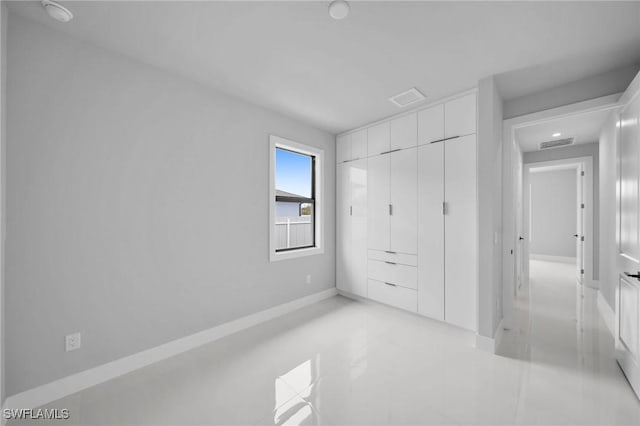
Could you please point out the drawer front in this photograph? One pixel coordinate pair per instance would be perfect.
(394, 273)
(401, 258)
(397, 296)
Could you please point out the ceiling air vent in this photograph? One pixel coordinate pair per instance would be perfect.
(556, 143)
(407, 98)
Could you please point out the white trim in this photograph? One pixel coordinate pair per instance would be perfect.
(491, 344)
(549, 258)
(608, 316)
(55, 390)
(277, 141)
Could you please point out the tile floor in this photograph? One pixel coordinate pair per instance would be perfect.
(345, 362)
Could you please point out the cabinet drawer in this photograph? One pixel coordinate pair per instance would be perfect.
(397, 296)
(387, 256)
(394, 273)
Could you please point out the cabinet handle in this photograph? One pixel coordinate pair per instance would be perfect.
(636, 276)
(390, 263)
(390, 252)
(390, 151)
(444, 208)
(392, 285)
(390, 209)
(445, 139)
(350, 210)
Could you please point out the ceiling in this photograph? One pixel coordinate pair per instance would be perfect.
(585, 128)
(337, 75)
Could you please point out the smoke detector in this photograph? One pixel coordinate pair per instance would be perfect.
(407, 98)
(339, 9)
(557, 143)
(57, 11)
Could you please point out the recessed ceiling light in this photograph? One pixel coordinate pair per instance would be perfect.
(57, 11)
(338, 9)
(556, 135)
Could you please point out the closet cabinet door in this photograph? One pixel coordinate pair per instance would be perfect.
(378, 139)
(343, 228)
(343, 148)
(359, 144)
(460, 116)
(358, 187)
(431, 124)
(404, 132)
(460, 232)
(378, 202)
(403, 194)
(431, 231)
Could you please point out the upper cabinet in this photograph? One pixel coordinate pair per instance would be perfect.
(404, 132)
(343, 148)
(359, 144)
(352, 146)
(431, 124)
(460, 116)
(378, 139)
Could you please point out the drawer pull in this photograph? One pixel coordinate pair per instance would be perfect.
(390, 252)
(390, 263)
(392, 285)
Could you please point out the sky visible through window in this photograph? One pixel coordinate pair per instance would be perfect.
(293, 172)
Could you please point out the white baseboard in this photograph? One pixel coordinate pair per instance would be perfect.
(549, 258)
(57, 389)
(608, 315)
(491, 344)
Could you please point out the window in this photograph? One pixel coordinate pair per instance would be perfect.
(295, 199)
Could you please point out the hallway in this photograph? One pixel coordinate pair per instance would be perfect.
(571, 376)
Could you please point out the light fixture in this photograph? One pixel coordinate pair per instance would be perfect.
(556, 135)
(338, 9)
(57, 11)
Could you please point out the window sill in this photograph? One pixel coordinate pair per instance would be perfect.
(293, 254)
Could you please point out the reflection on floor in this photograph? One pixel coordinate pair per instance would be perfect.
(347, 362)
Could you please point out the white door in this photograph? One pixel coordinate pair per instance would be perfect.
(343, 148)
(358, 188)
(460, 231)
(403, 204)
(378, 139)
(628, 287)
(579, 235)
(359, 144)
(431, 124)
(378, 202)
(343, 227)
(460, 116)
(519, 228)
(431, 230)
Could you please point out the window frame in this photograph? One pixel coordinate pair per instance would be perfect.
(317, 195)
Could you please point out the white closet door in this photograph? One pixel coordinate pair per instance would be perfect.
(343, 228)
(404, 132)
(378, 139)
(460, 116)
(343, 148)
(460, 231)
(358, 171)
(359, 144)
(403, 194)
(378, 202)
(431, 124)
(431, 230)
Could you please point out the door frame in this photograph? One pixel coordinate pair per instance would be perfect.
(510, 155)
(586, 188)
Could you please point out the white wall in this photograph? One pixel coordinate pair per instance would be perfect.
(609, 83)
(581, 150)
(3, 145)
(489, 207)
(122, 182)
(607, 247)
(553, 212)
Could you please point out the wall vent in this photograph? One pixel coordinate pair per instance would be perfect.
(407, 98)
(556, 143)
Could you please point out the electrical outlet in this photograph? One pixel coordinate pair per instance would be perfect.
(309, 279)
(72, 342)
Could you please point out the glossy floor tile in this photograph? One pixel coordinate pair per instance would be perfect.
(343, 362)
